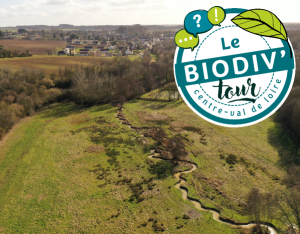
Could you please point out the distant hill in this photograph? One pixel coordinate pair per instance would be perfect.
(288, 26)
(90, 27)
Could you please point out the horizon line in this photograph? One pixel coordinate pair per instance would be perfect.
(109, 25)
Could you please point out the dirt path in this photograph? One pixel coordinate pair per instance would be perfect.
(181, 181)
(11, 131)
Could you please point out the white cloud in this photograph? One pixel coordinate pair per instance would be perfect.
(26, 5)
(102, 12)
(129, 2)
(57, 2)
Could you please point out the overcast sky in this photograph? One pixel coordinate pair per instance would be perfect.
(126, 12)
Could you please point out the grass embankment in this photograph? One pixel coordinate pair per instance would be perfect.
(218, 182)
(68, 170)
(167, 93)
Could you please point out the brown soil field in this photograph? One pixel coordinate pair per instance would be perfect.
(49, 64)
(35, 47)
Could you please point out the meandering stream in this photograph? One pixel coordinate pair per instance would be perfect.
(181, 182)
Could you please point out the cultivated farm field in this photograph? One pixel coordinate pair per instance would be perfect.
(35, 47)
(48, 64)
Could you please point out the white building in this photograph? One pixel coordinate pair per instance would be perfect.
(128, 52)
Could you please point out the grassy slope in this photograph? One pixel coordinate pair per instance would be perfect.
(48, 182)
(216, 183)
(168, 92)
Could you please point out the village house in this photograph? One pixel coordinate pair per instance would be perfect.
(104, 50)
(62, 52)
(155, 41)
(66, 51)
(128, 52)
(95, 42)
(91, 53)
(100, 47)
(71, 49)
(36, 38)
(83, 53)
(88, 47)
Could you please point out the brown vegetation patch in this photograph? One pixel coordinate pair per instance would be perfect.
(168, 148)
(28, 196)
(148, 192)
(96, 149)
(81, 119)
(42, 197)
(144, 117)
(112, 125)
(177, 126)
(215, 184)
(193, 214)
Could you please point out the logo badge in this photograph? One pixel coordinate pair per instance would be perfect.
(238, 69)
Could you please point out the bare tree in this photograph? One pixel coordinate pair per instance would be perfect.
(262, 207)
(159, 136)
(254, 206)
(50, 51)
(176, 148)
(289, 203)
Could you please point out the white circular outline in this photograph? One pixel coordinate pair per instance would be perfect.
(237, 125)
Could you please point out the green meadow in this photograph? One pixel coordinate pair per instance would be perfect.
(71, 169)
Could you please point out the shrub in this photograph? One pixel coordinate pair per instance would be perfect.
(231, 159)
(7, 120)
(251, 172)
(48, 83)
(161, 169)
(222, 156)
(27, 102)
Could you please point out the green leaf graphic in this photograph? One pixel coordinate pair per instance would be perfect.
(261, 22)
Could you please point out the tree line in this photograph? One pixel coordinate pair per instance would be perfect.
(283, 206)
(7, 53)
(289, 114)
(119, 79)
